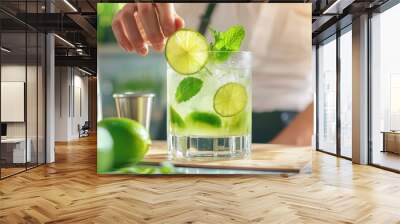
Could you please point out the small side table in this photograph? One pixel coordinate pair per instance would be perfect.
(391, 141)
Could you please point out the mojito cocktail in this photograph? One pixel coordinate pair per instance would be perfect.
(209, 99)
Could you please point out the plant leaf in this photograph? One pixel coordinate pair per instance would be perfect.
(233, 38)
(188, 88)
(138, 169)
(205, 118)
(176, 119)
(226, 42)
(167, 167)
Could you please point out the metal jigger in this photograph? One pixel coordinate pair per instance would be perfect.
(135, 106)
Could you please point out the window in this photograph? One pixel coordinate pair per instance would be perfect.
(22, 78)
(346, 92)
(385, 89)
(327, 96)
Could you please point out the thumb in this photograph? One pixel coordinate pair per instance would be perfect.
(179, 22)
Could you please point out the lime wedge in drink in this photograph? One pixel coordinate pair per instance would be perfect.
(230, 99)
(203, 120)
(187, 51)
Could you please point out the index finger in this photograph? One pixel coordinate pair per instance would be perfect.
(166, 16)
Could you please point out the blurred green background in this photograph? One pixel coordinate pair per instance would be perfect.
(105, 14)
(120, 72)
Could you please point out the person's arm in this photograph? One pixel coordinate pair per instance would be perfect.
(140, 25)
(299, 131)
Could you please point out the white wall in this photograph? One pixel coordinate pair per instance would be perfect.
(16, 73)
(70, 83)
(79, 115)
(12, 73)
(33, 127)
(61, 103)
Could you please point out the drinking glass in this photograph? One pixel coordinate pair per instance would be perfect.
(201, 127)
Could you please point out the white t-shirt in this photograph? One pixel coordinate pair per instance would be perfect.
(279, 37)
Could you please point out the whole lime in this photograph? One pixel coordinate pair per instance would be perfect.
(120, 141)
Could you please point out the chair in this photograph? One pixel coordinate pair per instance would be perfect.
(84, 129)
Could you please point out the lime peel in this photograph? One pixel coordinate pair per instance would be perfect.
(230, 99)
(187, 51)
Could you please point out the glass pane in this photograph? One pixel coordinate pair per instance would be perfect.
(327, 97)
(346, 93)
(386, 89)
(13, 86)
(41, 99)
(31, 98)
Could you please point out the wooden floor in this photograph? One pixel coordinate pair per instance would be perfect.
(10, 171)
(387, 159)
(69, 191)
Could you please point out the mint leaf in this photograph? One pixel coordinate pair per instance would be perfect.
(167, 168)
(188, 88)
(138, 169)
(226, 42)
(176, 119)
(206, 118)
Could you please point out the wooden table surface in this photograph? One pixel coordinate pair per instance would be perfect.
(264, 157)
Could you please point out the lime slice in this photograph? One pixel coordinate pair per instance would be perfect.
(186, 51)
(230, 99)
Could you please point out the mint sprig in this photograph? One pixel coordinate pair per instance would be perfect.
(226, 42)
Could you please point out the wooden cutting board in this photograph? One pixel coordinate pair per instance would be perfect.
(264, 157)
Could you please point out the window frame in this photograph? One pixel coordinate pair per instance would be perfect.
(27, 29)
(334, 37)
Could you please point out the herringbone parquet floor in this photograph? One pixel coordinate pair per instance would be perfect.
(69, 191)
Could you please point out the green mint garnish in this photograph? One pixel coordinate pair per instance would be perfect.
(176, 119)
(138, 169)
(188, 88)
(227, 42)
(167, 167)
(206, 118)
(164, 168)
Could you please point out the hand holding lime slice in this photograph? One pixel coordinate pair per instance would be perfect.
(187, 51)
(230, 99)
